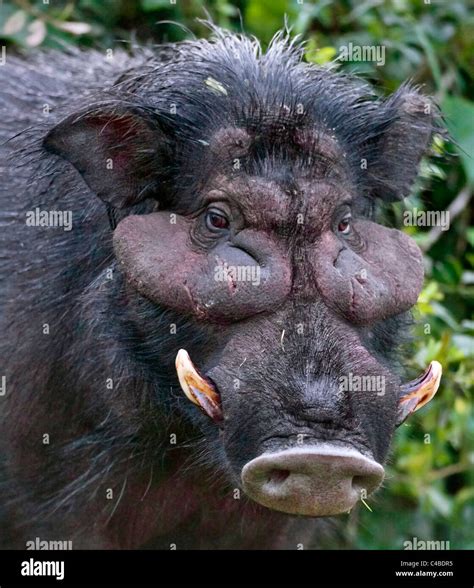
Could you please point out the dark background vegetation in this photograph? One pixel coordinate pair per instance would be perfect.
(429, 493)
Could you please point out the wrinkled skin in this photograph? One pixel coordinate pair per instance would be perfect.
(294, 159)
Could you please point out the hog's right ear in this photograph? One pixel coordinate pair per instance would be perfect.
(402, 134)
(119, 151)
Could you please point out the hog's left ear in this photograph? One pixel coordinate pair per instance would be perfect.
(119, 151)
(402, 133)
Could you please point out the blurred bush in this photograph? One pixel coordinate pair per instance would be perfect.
(430, 489)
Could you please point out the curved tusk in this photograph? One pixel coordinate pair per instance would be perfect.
(198, 389)
(415, 394)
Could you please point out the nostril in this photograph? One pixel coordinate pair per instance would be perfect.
(319, 481)
(364, 484)
(277, 476)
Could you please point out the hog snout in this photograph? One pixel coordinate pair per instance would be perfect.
(312, 481)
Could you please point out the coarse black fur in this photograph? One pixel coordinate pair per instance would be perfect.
(117, 436)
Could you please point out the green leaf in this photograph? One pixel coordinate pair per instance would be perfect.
(15, 23)
(319, 55)
(465, 344)
(266, 17)
(470, 235)
(460, 120)
(430, 53)
(151, 5)
(443, 313)
(439, 501)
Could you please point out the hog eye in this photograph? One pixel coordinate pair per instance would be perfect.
(344, 226)
(216, 221)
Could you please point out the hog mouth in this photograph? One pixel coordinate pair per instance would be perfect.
(313, 480)
(202, 391)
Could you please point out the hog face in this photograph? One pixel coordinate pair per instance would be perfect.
(261, 186)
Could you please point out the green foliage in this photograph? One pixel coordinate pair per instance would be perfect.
(459, 114)
(429, 492)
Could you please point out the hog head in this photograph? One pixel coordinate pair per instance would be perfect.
(260, 230)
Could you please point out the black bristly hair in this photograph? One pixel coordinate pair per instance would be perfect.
(191, 89)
